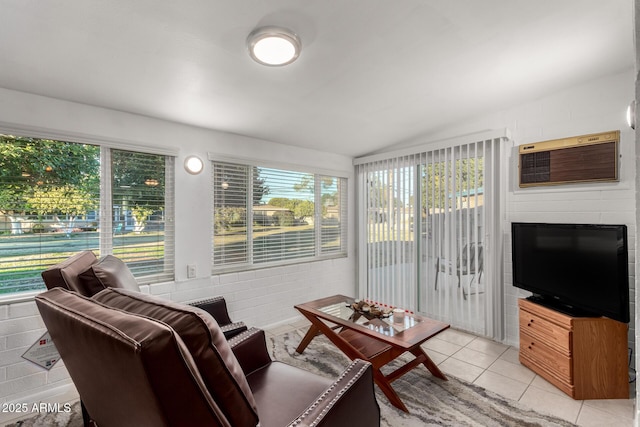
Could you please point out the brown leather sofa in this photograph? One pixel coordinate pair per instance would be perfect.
(87, 275)
(139, 360)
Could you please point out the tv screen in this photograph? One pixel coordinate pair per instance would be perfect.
(577, 268)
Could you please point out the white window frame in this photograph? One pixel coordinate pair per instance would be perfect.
(317, 173)
(105, 210)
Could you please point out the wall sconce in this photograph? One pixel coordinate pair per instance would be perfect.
(193, 165)
(151, 182)
(631, 114)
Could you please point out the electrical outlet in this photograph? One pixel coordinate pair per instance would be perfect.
(191, 271)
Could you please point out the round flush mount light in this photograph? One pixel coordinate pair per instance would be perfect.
(273, 46)
(193, 165)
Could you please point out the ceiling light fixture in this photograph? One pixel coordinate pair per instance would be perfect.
(273, 46)
(193, 165)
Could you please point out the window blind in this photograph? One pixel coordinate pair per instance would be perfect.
(264, 215)
(56, 199)
(49, 204)
(142, 214)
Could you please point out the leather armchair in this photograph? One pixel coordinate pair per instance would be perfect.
(87, 275)
(347, 401)
(140, 360)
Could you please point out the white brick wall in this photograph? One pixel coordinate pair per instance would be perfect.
(20, 380)
(266, 297)
(595, 107)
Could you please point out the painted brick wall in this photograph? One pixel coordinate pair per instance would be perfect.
(266, 297)
(20, 380)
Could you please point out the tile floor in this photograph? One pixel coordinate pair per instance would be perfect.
(495, 367)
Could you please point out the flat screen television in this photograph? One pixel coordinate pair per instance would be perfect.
(580, 269)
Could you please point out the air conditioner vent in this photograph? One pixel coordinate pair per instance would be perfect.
(571, 160)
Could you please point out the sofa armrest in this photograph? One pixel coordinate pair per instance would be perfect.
(250, 348)
(233, 329)
(350, 400)
(216, 307)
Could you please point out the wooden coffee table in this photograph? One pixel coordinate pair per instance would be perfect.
(378, 341)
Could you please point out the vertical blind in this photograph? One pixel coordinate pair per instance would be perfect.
(265, 215)
(58, 198)
(431, 225)
(387, 222)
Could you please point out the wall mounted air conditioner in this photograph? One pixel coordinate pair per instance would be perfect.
(584, 158)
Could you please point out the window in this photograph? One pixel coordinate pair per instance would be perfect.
(53, 196)
(265, 216)
(142, 214)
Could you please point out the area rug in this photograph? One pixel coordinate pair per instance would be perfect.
(73, 418)
(431, 401)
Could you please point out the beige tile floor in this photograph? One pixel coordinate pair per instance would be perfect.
(495, 367)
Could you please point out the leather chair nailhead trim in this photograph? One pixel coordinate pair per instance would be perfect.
(243, 337)
(206, 301)
(231, 326)
(329, 391)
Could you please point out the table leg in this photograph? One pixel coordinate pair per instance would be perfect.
(308, 337)
(428, 363)
(388, 391)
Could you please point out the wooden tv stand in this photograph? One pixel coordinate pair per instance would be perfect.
(585, 357)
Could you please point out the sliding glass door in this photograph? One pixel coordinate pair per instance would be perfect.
(430, 233)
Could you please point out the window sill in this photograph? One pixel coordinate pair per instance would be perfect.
(18, 298)
(215, 271)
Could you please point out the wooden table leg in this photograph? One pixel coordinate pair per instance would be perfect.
(418, 352)
(308, 337)
(388, 391)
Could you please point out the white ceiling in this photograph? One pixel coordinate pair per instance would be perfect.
(372, 72)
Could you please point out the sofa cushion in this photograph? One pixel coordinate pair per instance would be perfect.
(284, 392)
(74, 265)
(108, 272)
(207, 344)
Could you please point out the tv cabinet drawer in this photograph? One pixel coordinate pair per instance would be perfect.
(537, 327)
(546, 357)
(585, 357)
(552, 377)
